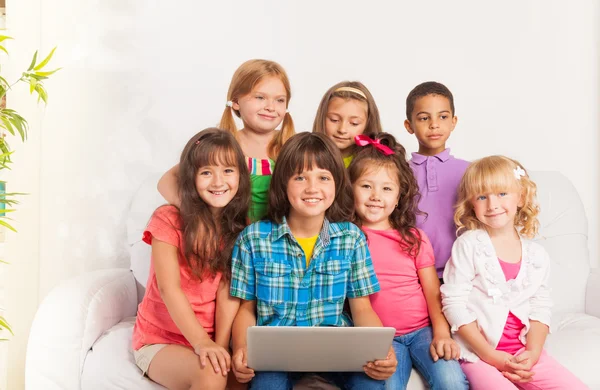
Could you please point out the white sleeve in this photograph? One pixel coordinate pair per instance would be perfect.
(458, 283)
(541, 303)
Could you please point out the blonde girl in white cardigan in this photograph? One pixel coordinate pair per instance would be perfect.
(496, 295)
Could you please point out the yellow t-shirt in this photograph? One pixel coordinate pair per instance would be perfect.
(348, 160)
(308, 245)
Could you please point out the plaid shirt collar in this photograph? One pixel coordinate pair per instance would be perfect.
(327, 231)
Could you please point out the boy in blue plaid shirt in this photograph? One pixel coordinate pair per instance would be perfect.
(298, 266)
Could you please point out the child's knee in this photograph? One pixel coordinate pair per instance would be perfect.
(208, 379)
(450, 377)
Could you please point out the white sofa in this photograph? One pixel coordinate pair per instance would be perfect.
(81, 334)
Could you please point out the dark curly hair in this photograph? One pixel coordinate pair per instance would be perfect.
(404, 216)
(425, 89)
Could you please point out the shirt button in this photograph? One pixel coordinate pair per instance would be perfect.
(299, 255)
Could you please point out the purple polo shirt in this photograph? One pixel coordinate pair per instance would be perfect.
(438, 178)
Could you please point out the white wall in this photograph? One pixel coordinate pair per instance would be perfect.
(140, 78)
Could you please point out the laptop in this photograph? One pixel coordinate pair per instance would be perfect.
(316, 349)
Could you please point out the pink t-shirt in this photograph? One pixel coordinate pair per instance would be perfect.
(509, 342)
(154, 324)
(400, 303)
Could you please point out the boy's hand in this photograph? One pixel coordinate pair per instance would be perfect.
(241, 370)
(382, 369)
(218, 356)
(444, 348)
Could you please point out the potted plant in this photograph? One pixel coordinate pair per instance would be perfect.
(13, 125)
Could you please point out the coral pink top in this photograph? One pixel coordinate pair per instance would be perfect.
(401, 302)
(509, 342)
(154, 324)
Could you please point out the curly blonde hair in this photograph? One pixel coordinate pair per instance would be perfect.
(496, 174)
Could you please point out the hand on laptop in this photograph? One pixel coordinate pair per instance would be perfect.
(382, 369)
(218, 356)
(241, 370)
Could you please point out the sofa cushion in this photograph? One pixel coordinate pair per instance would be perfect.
(144, 202)
(110, 363)
(574, 343)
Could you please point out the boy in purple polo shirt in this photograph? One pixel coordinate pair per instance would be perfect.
(430, 117)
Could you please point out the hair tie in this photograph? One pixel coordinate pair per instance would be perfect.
(363, 140)
(353, 90)
(229, 103)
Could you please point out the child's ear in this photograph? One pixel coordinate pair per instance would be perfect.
(454, 122)
(235, 105)
(408, 127)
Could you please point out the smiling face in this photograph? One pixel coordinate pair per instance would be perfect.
(217, 185)
(496, 211)
(376, 194)
(431, 122)
(310, 193)
(346, 118)
(263, 109)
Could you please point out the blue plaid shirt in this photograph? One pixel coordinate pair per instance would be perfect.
(269, 266)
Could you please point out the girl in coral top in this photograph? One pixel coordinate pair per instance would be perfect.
(182, 330)
(496, 294)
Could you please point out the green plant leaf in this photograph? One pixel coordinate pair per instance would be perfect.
(4, 38)
(4, 262)
(46, 60)
(5, 325)
(5, 224)
(46, 74)
(6, 124)
(33, 61)
(32, 84)
(17, 122)
(41, 93)
(3, 49)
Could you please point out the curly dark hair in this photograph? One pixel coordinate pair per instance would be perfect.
(404, 217)
(425, 89)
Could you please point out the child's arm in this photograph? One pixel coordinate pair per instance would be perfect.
(227, 308)
(539, 320)
(166, 267)
(442, 345)
(364, 315)
(245, 318)
(168, 186)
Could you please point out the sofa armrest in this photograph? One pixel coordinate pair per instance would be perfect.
(69, 321)
(592, 296)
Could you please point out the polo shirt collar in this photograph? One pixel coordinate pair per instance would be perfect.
(420, 159)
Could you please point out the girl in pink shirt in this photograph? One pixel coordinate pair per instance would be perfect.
(181, 335)
(386, 196)
(496, 294)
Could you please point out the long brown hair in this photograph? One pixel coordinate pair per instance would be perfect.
(217, 236)
(244, 79)
(404, 217)
(373, 125)
(307, 150)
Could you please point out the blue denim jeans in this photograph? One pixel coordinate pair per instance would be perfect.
(271, 380)
(412, 349)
